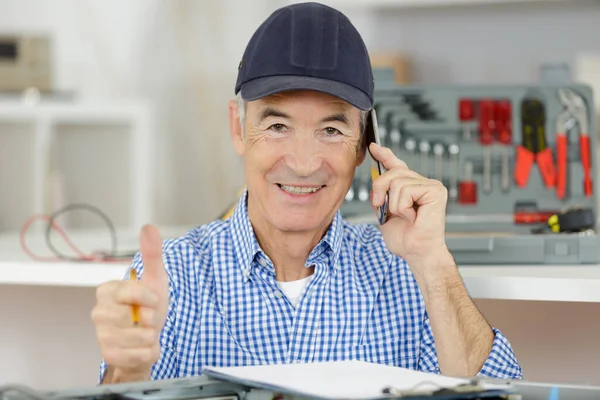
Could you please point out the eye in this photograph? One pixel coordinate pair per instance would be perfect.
(332, 131)
(277, 127)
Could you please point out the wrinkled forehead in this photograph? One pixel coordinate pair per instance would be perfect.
(323, 101)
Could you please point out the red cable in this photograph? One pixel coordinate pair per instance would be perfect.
(63, 234)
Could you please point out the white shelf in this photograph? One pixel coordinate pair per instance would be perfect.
(16, 268)
(76, 112)
(539, 283)
(59, 273)
(568, 283)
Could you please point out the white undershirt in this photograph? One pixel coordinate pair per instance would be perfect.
(293, 289)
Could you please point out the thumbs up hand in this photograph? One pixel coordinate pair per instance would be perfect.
(130, 350)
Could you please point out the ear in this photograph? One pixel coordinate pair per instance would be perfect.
(362, 151)
(365, 139)
(235, 128)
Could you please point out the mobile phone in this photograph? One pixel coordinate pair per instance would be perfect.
(376, 168)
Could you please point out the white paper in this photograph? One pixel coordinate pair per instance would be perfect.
(343, 379)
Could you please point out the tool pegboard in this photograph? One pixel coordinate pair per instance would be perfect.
(519, 163)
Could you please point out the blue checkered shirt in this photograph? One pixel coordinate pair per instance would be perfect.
(362, 303)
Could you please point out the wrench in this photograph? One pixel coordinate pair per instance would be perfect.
(505, 183)
(410, 146)
(453, 190)
(438, 161)
(424, 148)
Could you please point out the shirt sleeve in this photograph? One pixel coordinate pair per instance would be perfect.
(501, 362)
(166, 366)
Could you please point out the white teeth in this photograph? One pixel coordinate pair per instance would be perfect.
(299, 189)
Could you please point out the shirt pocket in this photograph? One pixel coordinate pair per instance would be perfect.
(398, 353)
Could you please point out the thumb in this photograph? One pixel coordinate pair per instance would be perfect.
(154, 274)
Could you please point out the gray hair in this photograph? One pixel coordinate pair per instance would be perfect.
(241, 103)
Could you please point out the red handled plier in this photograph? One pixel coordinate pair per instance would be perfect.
(534, 147)
(575, 112)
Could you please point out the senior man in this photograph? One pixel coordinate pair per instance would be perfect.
(285, 279)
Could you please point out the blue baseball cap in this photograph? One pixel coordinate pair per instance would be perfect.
(307, 46)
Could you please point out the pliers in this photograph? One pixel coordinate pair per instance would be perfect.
(575, 112)
(534, 148)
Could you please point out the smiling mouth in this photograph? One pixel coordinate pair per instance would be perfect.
(298, 190)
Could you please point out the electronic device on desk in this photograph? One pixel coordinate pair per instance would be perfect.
(25, 63)
(518, 161)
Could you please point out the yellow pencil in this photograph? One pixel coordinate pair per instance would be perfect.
(135, 310)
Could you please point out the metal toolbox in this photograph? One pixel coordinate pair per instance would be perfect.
(514, 158)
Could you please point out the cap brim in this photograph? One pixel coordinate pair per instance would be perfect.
(261, 87)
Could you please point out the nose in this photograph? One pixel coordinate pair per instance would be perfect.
(304, 157)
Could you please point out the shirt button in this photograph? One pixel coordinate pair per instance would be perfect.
(246, 273)
(263, 262)
(278, 294)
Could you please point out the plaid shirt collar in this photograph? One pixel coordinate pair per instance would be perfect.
(247, 248)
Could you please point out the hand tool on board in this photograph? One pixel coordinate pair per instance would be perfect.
(487, 127)
(421, 107)
(350, 193)
(574, 113)
(517, 218)
(467, 188)
(395, 131)
(438, 161)
(466, 113)
(385, 112)
(410, 145)
(363, 190)
(534, 146)
(453, 189)
(424, 148)
(574, 220)
(504, 128)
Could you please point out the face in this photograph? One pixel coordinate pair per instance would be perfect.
(300, 153)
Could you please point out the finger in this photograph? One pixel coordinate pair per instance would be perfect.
(151, 251)
(135, 293)
(400, 200)
(105, 293)
(386, 157)
(120, 316)
(127, 338)
(417, 194)
(382, 184)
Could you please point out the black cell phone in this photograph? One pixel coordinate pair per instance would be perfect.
(376, 167)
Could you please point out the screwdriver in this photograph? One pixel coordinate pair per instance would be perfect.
(518, 217)
(424, 148)
(466, 112)
(438, 161)
(487, 126)
(453, 190)
(504, 128)
(410, 145)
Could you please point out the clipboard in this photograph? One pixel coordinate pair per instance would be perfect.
(356, 380)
